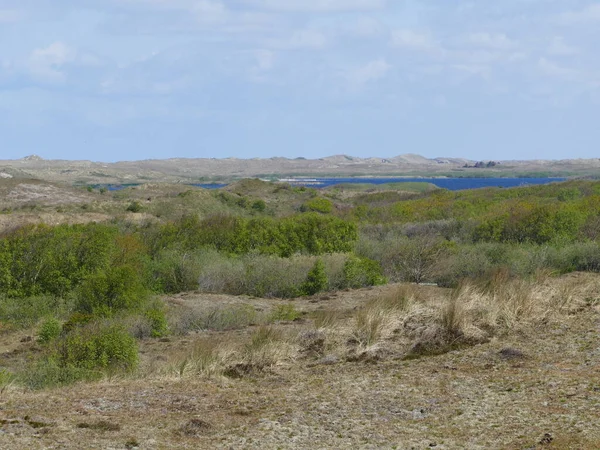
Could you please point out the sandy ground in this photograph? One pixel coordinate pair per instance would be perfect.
(543, 392)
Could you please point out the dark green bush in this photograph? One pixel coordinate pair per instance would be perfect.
(316, 280)
(134, 207)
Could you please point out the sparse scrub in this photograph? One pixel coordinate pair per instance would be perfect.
(284, 313)
(378, 319)
(266, 348)
(48, 373)
(217, 319)
(207, 357)
(325, 318)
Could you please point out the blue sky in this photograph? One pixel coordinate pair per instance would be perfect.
(115, 80)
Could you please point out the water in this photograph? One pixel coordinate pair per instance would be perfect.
(452, 184)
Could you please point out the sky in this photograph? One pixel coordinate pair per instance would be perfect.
(110, 80)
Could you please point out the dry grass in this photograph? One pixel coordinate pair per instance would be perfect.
(534, 383)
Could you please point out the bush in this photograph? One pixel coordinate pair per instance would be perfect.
(26, 312)
(99, 347)
(76, 320)
(104, 293)
(49, 373)
(359, 272)
(316, 280)
(174, 271)
(321, 205)
(217, 319)
(50, 330)
(134, 207)
(158, 322)
(284, 313)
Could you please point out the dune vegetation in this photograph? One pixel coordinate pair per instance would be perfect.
(159, 287)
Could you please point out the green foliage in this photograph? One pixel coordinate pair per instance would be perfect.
(259, 205)
(116, 289)
(76, 319)
(318, 204)
(284, 313)
(360, 272)
(38, 260)
(158, 322)
(316, 280)
(50, 330)
(134, 207)
(99, 347)
(49, 373)
(26, 312)
(173, 271)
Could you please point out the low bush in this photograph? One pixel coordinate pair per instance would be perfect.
(159, 326)
(284, 313)
(26, 312)
(98, 347)
(360, 272)
(50, 330)
(48, 372)
(216, 319)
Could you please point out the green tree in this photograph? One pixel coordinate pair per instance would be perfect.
(316, 280)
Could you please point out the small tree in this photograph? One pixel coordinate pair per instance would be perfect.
(316, 280)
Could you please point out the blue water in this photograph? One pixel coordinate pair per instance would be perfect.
(452, 184)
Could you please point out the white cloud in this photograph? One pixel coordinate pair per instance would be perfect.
(413, 40)
(10, 15)
(559, 47)
(555, 70)
(491, 41)
(301, 39)
(265, 60)
(372, 71)
(591, 13)
(208, 11)
(45, 64)
(312, 6)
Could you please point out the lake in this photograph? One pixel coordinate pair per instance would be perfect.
(452, 184)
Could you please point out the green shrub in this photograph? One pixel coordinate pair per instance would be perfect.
(158, 322)
(174, 271)
(259, 205)
(316, 280)
(360, 272)
(26, 312)
(319, 204)
(50, 330)
(104, 293)
(75, 320)
(134, 207)
(284, 313)
(49, 373)
(99, 347)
